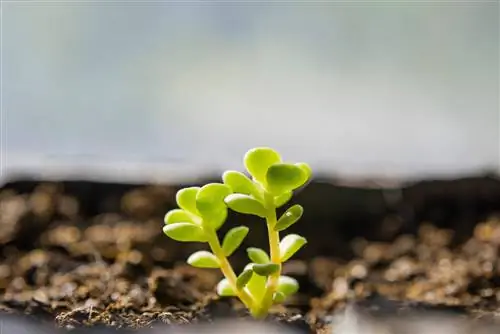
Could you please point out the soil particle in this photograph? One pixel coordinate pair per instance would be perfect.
(114, 268)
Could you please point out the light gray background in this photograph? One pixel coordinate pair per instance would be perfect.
(146, 89)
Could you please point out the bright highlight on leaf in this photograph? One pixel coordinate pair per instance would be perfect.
(203, 210)
(290, 245)
(233, 239)
(185, 232)
(287, 285)
(178, 216)
(203, 259)
(258, 255)
(258, 160)
(224, 289)
(290, 217)
(245, 204)
(186, 199)
(305, 168)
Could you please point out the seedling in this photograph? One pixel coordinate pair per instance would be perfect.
(203, 210)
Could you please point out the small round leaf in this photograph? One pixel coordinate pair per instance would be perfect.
(233, 239)
(258, 160)
(210, 199)
(287, 285)
(244, 278)
(282, 199)
(290, 217)
(203, 259)
(278, 297)
(285, 177)
(290, 245)
(258, 255)
(239, 183)
(186, 199)
(266, 269)
(185, 232)
(245, 204)
(224, 289)
(178, 216)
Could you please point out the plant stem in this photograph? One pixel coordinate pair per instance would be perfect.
(227, 270)
(274, 247)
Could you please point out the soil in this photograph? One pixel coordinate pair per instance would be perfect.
(81, 254)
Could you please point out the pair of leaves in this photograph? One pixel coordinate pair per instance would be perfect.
(206, 202)
(232, 240)
(249, 204)
(181, 225)
(198, 205)
(256, 286)
(289, 245)
(266, 167)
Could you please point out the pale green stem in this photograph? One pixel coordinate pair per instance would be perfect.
(274, 247)
(227, 270)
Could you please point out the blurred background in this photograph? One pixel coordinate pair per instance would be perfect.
(141, 90)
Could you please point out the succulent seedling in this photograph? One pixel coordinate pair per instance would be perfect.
(203, 210)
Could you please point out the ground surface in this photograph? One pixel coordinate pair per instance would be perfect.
(64, 264)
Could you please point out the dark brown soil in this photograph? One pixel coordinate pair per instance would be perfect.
(77, 261)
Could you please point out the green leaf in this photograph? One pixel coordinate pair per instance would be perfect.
(244, 278)
(283, 177)
(256, 285)
(218, 218)
(287, 285)
(290, 244)
(245, 204)
(305, 168)
(203, 259)
(258, 255)
(210, 199)
(266, 269)
(282, 199)
(186, 199)
(290, 217)
(278, 297)
(233, 239)
(185, 232)
(224, 289)
(258, 160)
(239, 183)
(178, 216)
